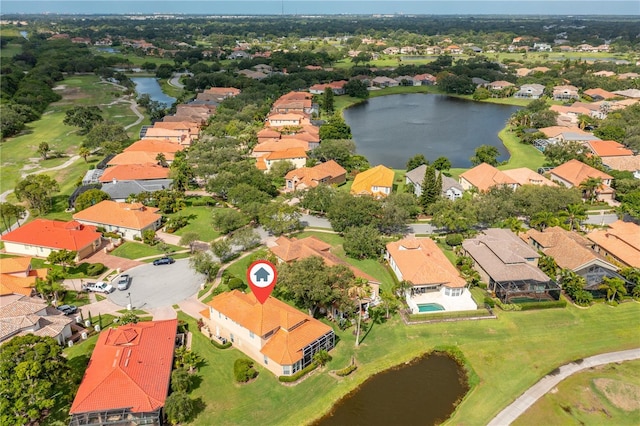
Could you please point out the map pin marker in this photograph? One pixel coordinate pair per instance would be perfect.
(261, 277)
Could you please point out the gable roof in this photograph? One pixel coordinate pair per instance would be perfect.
(134, 172)
(154, 145)
(622, 240)
(525, 176)
(569, 249)
(286, 154)
(129, 368)
(54, 234)
(311, 176)
(132, 216)
(576, 172)
(138, 157)
(122, 189)
(484, 176)
(22, 315)
(17, 277)
(364, 182)
(502, 255)
(293, 329)
(609, 149)
(421, 262)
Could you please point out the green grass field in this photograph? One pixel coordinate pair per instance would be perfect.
(508, 355)
(200, 218)
(133, 250)
(609, 394)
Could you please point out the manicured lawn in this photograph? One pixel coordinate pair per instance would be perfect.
(133, 250)
(200, 218)
(239, 268)
(78, 271)
(521, 155)
(508, 355)
(609, 394)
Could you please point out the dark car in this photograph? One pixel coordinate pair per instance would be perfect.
(68, 309)
(164, 261)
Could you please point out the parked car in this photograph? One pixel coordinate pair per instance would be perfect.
(124, 281)
(164, 261)
(67, 309)
(100, 287)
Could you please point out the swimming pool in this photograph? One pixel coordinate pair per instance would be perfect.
(430, 307)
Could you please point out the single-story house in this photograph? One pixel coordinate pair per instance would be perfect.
(128, 220)
(127, 379)
(276, 335)
(121, 190)
(435, 282)
(619, 243)
(337, 87)
(608, 149)
(509, 267)
(18, 277)
(21, 315)
(155, 146)
(289, 119)
(573, 173)
(572, 251)
(499, 85)
(328, 173)
(40, 237)
(599, 94)
(451, 189)
(484, 176)
(377, 181)
(149, 171)
(222, 93)
(382, 81)
(629, 164)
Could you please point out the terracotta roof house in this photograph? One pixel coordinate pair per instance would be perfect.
(327, 173)
(484, 176)
(198, 113)
(337, 87)
(629, 164)
(609, 149)
(274, 145)
(628, 75)
(525, 176)
(541, 69)
(289, 119)
(530, 91)
(599, 94)
(619, 243)
(297, 156)
(40, 237)
(377, 181)
(127, 380)
(567, 134)
(509, 266)
(139, 157)
(572, 251)
(183, 137)
(628, 93)
(134, 172)
(523, 72)
(120, 190)
(602, 74)
(155, 146)
(424, 79)
(499, 85)
(191, 128)
(222, 93)
(294, 103)
(128, 220)
(435, 282)
(566, 92)
(451, 189)
(276, 335)
(289, 250)
(573, 173)
(18, 277)
(21, 315)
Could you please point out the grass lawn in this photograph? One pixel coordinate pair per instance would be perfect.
(200, 218)
(133, 250)
(78, 271)
(609, 394)
(239, 268)
(508, 355)
(521, 155)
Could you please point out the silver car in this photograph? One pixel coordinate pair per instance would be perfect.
(123, 282)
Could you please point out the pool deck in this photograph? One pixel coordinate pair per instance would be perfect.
(459, 303)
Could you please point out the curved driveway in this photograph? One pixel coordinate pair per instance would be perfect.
(159, 286)
(535, 392)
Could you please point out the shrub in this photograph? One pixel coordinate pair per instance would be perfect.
(243, 370)
(453, 239)
(95, 269)
(527, 306)
(236, 283)
(294, 377)
(176, 223)
(507, 306)
(203, 201)
(179, 407)
(321, 357)
(490, 302)
(221, 345)
(347, 370)
(181, 380)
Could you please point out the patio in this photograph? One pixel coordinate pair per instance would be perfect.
(464, 302)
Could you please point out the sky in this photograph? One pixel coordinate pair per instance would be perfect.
(325, 7)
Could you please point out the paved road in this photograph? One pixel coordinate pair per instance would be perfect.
(601, 219)
(175, 80)
(159, 286)
(527, 399)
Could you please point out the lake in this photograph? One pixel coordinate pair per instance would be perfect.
(391, 129)
(151, 87)
(424, 391)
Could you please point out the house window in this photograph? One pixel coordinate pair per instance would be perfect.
(266, 360)
(232, 338)
(286, 370)
(219, 315)
(251, 334)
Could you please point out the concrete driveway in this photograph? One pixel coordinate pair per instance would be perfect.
(158, 286)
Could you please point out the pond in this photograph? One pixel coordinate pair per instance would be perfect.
(391, 129)
(424, 391)
(151, 87)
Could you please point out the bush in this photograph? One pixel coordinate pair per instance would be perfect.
(453, 240)
(507, 306)
(179, 407)
(181, 380)
(527, 306)
(203, 201)
(490, 302)
(294, 377)
(347, 370)
(220, 345)
(243, 370)
(95, 269)
(236, 283)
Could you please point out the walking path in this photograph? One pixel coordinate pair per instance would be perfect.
(535, 392)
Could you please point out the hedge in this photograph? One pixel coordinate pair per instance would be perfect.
(220, 345)
(243, 370)
(347, 370)
(543, 305)
(292, 378)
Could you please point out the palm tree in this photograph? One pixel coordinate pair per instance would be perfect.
(543, 220)
(590, 186)
(576, 213)
(514, 224)
(614, 287)
(360, 289)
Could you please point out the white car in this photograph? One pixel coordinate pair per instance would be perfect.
(100, 287)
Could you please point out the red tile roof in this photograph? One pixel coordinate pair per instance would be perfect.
(17, 277)
(484, 176)
(609, 149)
(107, 212)
(576, 172)
(134, 172)
(54, 234)
(130, 368)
